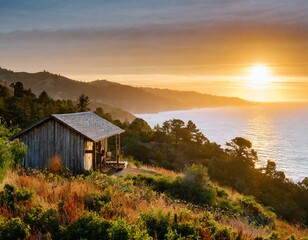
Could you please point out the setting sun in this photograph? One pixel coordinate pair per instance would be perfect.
(259, 75)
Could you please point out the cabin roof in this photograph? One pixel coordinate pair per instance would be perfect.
(87, 124)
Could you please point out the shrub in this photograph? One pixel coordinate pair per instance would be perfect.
(185, 229)
(157, 183)
(255, 213)
(11, 152)
(196, 175)
(209, 222)
(157, 224)
(43, 221)
(95, 202)
(172, 234)
(221, 193)
(139, 234)
(13, 229)
(195, 193)
(225, 234)
(225, 203)
(93, 227)
(32, 217)
(49, 221)
(90, 227)
(12, 198)
(274, 236)
(292, 237)
(182, 188)
(132, 161)
(118, 230)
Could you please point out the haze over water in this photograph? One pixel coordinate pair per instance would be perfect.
(278, 132)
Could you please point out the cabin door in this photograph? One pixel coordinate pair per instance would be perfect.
(88, 155)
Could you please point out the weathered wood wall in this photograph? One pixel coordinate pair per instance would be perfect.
(50, 140)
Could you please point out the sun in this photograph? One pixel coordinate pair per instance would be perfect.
(259, 75)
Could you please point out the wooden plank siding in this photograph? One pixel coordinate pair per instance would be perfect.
(53, 139)
(77, 141)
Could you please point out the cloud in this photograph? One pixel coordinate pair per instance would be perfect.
(56, 14)
(154, 37)
(165, 46)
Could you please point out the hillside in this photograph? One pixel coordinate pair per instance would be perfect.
(59, 87)
(192, 99)
(96, 206)
(149, 203)
(128, 98)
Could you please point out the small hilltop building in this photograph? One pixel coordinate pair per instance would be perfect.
(78, 140)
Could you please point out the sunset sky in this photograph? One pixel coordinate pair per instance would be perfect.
(207, 46)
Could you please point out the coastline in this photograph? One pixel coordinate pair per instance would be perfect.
(277, 133)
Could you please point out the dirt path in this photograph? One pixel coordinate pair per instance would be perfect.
(134, 171)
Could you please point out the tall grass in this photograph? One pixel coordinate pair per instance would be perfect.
(60, 206)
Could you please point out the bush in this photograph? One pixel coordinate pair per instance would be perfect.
(95, 202)
(194, 193)
(11, 152)
(139, 234)
(173, 235)
(90, 227)
(157, 224)
(184, 229)
(194, 186)
(274, 236)
(13, 229)
(196, 175)
(43, 221)
(226, 234)
(187, 188)
(255, 213)
(93, 227)
(12, 198)
(292, 237)
(132, 161)
(118, 230)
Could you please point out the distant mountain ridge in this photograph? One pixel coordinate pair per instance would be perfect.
(115, 95)
(192, 99)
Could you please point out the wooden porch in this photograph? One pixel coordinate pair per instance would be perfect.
(98, 157)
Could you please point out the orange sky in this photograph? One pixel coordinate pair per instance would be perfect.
(206, 46)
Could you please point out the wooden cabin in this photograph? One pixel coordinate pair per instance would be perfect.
(79, 141)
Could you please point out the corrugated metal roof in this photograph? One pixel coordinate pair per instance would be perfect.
(87, 124)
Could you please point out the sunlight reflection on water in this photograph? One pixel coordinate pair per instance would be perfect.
(278, 132)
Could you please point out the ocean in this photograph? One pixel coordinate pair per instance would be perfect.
(278, 131)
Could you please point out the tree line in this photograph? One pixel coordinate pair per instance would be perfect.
(23, 107)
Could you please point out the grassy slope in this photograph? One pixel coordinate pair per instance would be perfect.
(128, 201)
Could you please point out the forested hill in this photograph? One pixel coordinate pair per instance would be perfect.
(132, 99)
(193, 99)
